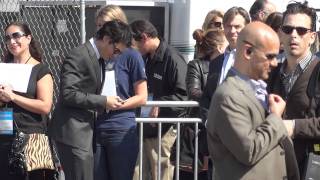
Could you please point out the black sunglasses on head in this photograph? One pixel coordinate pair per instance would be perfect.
(300, 30)
(15, 35)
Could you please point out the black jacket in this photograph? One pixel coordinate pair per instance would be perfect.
(211, 86)
(196, 80)
(166, 73)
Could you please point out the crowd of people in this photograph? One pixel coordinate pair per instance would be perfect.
(255, 75)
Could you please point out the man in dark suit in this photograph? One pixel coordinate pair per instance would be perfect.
(80, 99)
(243, 138)
(234, 21)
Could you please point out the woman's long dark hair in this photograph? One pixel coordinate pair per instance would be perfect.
(34, 46)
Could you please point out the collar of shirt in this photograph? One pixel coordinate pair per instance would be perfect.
(302, 65)
(158, 56)
(227, 64)
(228, 49)
(259, 87)
(288, 80)
(92, 41)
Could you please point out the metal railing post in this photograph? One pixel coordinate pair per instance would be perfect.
(196, 144)
(140, 150)
(178, 151)
(159, 151)
(169, 120)
(83, 21)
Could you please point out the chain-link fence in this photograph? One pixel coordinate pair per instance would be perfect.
(55, 24)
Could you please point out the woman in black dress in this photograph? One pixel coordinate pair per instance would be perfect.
(30, 108)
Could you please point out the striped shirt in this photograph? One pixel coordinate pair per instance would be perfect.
(289, 79)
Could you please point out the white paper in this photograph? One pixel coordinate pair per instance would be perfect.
(16, 75)
(109, 86)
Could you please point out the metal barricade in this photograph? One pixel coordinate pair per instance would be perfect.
(169, 120)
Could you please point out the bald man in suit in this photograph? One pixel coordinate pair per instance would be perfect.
(245, 129)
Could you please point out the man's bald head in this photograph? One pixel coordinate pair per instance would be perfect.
(257, 33)
(257, 43)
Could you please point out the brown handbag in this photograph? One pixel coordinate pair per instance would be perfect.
(38, 152)
(30, 152)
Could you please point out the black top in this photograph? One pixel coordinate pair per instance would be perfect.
(166, 73)
(196, 80)
(213, 77)
(29, 122)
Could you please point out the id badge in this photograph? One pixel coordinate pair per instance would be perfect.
(6, 121)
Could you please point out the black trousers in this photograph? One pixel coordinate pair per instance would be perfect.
(77, 164)
(185, 175)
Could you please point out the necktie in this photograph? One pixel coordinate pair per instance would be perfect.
(102, 66)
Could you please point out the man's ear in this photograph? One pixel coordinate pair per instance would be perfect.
(247, 52)
(261, 14)
(107, 39)
(313, 38)
(144, 37)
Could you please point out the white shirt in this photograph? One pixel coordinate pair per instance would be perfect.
(91, 40)
(228, 62)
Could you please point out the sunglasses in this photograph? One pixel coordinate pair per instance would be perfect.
(215, 24)
(269, 56)
(300, 30)
(15, 36)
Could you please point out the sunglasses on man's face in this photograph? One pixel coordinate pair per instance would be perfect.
(15, 36)
(300, 30)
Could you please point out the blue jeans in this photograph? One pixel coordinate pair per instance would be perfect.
(116, 154)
